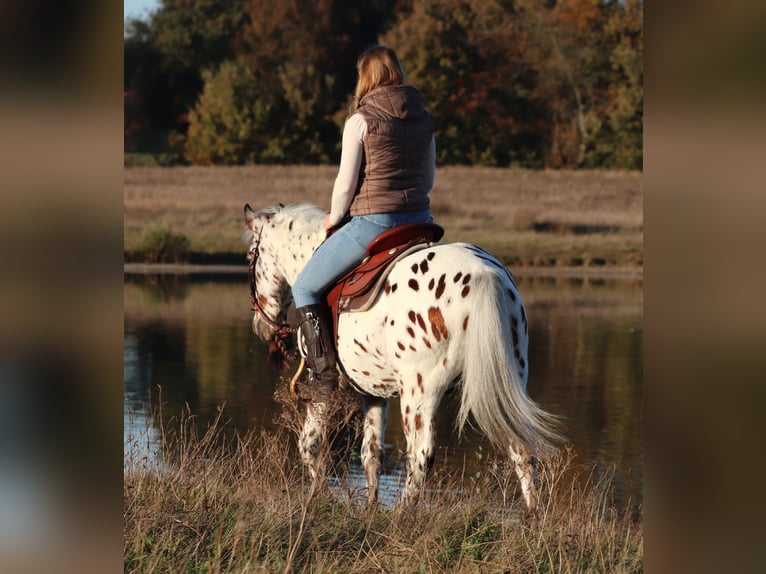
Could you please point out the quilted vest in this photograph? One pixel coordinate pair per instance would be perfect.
(399, 133)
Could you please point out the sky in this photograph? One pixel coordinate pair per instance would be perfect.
(138, 8)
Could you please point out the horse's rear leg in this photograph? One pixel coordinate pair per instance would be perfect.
(419, 430)
(375, 414)
(526, 469)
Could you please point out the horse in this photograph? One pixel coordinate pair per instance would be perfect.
(449, 316)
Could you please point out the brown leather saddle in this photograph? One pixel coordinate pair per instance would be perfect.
(354, 290)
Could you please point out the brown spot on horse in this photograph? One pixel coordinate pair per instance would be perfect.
(440, 287)
(422, 323)
(438, 328)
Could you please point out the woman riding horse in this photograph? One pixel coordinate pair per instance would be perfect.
(386, 171)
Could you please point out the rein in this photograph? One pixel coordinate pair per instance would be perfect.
(282, 331)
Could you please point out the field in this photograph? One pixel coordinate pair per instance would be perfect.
(527, 218)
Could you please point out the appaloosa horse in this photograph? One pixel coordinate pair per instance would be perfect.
(449, 314)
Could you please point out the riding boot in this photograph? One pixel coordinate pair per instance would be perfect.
(315, 325)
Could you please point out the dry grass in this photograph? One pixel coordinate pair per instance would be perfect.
(244, 505)
(525, 217)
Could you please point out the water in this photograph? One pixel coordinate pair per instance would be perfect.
(188, 345)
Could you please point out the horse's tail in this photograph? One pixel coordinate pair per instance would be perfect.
(493, 392)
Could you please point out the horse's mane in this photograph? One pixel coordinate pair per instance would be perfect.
(303, 216)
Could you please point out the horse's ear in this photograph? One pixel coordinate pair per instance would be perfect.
(255, 219)
(251, 217)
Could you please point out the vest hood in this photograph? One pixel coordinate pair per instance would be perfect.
(403, 102)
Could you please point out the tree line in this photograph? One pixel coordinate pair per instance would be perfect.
(527, 83)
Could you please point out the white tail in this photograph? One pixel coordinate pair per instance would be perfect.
(492, 390)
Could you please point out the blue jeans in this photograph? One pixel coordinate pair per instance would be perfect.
(344, 250)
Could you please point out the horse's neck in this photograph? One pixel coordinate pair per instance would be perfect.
(295, 250)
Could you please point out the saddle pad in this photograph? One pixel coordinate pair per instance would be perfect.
(361, 299)
(404, 234)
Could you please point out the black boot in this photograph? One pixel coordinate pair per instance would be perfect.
(315, 325)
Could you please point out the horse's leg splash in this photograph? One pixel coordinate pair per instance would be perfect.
(313, 437)
(526, 469)
(375, 414)
(418, 410)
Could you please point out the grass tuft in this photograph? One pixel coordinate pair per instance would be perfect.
(160, 245)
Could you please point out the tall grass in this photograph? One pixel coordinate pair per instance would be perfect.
(245, 504)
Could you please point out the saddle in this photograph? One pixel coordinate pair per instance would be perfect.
(357, 289)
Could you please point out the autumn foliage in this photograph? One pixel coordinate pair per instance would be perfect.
(529, 83)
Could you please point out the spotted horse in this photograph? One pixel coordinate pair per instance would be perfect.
(448, 315)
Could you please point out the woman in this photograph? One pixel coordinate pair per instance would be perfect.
(386, 171)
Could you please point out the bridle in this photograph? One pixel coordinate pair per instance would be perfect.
(282, 331)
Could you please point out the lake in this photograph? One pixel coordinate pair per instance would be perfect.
(188, 343)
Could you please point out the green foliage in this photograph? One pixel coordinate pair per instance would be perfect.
(193, 34)
(160, 245)
(620, 143)
(164, 60)
(231, 119)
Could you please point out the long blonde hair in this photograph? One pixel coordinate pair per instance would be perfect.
(377, 66)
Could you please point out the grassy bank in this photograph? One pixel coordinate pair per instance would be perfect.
(527, 218)
(245, 505)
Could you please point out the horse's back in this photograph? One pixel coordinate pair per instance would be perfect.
(420, 319)
(444, 273)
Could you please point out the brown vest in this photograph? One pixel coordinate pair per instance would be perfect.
(399, 133)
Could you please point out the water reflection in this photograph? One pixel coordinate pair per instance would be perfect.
(189, 348)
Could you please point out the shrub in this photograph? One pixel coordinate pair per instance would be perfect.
(231, 119)
(160, 245)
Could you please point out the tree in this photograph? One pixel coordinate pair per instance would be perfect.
(165, 57)
(588, 59)
(465, 59)
(307, 52)
(194, 35)
(620, 144)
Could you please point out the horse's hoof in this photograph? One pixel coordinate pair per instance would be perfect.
(312, 390)
(303, 391)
